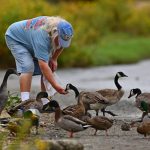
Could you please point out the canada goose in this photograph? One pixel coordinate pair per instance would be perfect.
(91, 100)
(142, 100)
(22, 125)
(67, 122)
(3, 88)
(113, 95)
(100, 123)
(77, 110)
(30, 104)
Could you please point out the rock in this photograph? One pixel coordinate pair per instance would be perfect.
(58, 145)
(47, 145)
(70, 145)
(125, 126)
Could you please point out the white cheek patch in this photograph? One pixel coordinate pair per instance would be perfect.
(118, 74)
(132, 93)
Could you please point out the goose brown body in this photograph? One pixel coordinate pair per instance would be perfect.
(90, 100)
(113, 95)
(93, 101)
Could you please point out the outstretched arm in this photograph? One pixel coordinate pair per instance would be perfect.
(47, 72)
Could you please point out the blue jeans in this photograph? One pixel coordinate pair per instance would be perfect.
(25, 62)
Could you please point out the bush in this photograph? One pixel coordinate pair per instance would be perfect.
(92, 21)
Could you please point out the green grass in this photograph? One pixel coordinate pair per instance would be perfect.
(111, 49)
(119, 50)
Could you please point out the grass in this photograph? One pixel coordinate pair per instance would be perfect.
(119, 50)
(111, 49)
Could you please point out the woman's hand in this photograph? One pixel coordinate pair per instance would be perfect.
(60, 90)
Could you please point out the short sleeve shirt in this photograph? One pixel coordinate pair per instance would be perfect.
(34, 35)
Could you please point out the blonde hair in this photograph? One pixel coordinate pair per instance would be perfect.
(51, 23)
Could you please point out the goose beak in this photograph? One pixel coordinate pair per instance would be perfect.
(129, 96)
(125, 76)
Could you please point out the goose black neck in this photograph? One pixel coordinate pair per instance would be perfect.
(117, 83)
(4, 82)
(75, 90)
(138, 91)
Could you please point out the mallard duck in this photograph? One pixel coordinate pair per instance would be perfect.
(142, 100)
(100, 123)
(113, 95)
(91, 100)
(3, 88)
(22, 125)
(144, 127)
(30, 104)
(77, 110)
(67, 122)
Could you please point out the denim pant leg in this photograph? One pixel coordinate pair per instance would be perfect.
(23, 59)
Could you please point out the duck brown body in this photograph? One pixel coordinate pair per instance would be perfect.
(144, 128)
(30, 104)
(67, 122)
(100, 123)
(77, 110)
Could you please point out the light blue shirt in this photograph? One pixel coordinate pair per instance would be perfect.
(31, 34)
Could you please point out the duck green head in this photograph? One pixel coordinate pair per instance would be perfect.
(144, 106)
